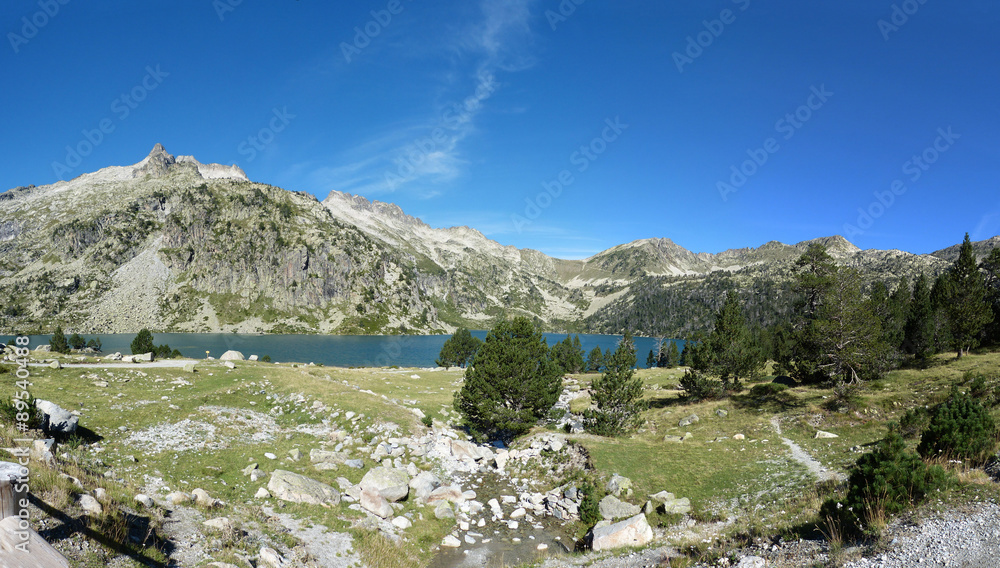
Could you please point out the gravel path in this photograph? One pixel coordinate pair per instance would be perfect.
(967, 539)
(803, 457)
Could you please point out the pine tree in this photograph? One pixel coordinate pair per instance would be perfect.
(595, 360)
(940, 296)
(848, 333)
(673, 356)
(568, 355)
(991, 270)
(578, 363)
(143, 342)
(918, 332)
(459, 349)
(891, 311)
(617, 395)
(650, 360)
(58, 341)
(511, 384)
(968, 310)
(815, 274)
(730, 351)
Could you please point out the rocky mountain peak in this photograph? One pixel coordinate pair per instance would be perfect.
(159, 162)
(156, 164)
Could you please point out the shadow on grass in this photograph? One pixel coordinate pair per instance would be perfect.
(135, 529)
(779, 402)
(670, 401)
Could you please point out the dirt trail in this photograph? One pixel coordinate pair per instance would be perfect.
(803, 457)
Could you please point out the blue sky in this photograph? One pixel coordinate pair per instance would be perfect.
(567, 126)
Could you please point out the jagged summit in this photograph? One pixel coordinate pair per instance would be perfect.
(159, 162)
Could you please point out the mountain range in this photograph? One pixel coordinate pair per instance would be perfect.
(172, 244)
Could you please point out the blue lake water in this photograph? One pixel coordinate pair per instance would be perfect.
(332, 350)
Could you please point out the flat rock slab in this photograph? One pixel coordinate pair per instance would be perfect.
(392, 484)
(634, 531)
(612, 508)
(296, 488)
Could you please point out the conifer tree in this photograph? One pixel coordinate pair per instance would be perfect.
(595, 360)
(511, 384)
(848, 333)
(919, 329)
(568, 355)
(650, 360)
(968, 310)
(617, 395)
(77, 342)
(730, 351)
(58, 341)
(673, 356)
(459, 349)
(991, 270)
(578, 354)
(143, 342)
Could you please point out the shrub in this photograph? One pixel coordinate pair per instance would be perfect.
(882, 483)
(590, 512)
(985, 390)
(959, 428)
(266, 359)
(77, 342)
(699, 387)
(165, 352)
(427, 420)
(9, 409)
(912, 422)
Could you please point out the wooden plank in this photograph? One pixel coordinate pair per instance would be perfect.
(10, 500)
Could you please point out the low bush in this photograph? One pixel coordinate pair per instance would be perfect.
(10, 409)
(912, 423)
(883, 483)
(699, 387)
(986, 391)
(960, 428)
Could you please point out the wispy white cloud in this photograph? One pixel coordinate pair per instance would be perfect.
(426, 153)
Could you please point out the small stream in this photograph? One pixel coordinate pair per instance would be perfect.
(496, 544)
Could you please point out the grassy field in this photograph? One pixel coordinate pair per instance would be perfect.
(177, 430)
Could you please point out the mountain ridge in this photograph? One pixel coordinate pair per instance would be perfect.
(172, 244)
